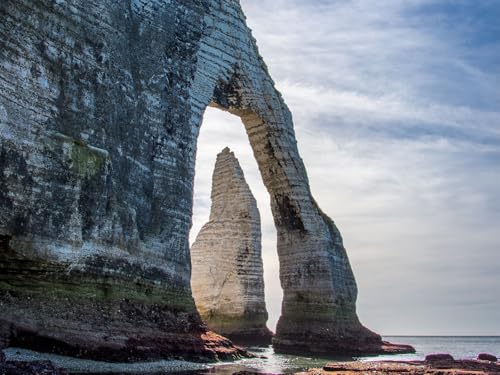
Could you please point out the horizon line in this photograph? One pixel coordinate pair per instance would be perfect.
(405, 335)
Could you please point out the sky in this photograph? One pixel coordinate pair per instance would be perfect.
(396, 106)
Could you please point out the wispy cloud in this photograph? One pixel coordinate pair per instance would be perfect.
(401, 100)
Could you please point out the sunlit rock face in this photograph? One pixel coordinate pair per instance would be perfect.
(100, 108)
(227, 276)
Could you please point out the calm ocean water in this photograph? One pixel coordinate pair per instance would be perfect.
(459, 347)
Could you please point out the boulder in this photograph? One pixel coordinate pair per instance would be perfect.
(439, 357)
(487, 357)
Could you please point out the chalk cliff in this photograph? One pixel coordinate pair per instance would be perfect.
(228, 277)
(100, 108)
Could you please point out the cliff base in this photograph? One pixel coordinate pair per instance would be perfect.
(326, 345)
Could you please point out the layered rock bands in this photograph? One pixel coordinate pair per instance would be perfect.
(227, 276)
(100, 108)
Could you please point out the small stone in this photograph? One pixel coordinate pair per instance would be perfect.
(487, 357)
(438, 357)
(334, 367)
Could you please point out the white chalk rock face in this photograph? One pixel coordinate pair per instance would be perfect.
(101, 103)
(227, 273)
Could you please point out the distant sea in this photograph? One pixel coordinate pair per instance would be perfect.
(458, 347)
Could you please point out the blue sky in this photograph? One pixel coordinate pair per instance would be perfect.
(397, 115)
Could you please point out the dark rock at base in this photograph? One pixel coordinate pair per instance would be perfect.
(262, 337)
(201, 347)
(334, 367)
(487, 357)
(391, 348)
(348, 345)
(206, 347)
(2, 358)
(30, 368)
(438, 357)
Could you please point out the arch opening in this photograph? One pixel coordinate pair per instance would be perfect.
(222, 129)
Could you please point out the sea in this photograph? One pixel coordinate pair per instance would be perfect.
(467, 347)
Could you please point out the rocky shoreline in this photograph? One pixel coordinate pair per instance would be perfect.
(24, 362)
(440, 364)
(18, 361)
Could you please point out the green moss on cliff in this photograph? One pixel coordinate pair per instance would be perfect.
(41, 278)
(92, 290)
(86, 161)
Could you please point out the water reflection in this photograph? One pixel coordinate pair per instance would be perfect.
(269, 362)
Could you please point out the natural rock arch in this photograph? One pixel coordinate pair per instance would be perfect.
(100, 109)
(318, 284)
(319, 302)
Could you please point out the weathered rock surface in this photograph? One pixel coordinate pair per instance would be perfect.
(227, 273)
(448, 367)
(100, 108)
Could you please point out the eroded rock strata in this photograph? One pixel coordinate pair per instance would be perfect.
(228, 276)
(100, 108)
